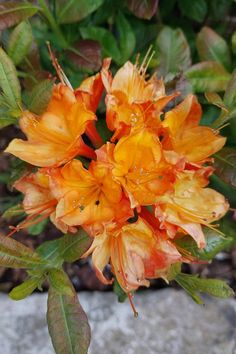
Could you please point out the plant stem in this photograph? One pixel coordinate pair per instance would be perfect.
(54, 26)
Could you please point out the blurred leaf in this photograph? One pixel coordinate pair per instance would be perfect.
(143, 9)
(20, 42)
(18, 169)
(14, 254)
(215, 243)
(9, 82)
(193, 284)
(38, 228)
(13, 12)
(105, 38)
(230, 92)
(60, 282)
(208, 76)
(25, 289)
(13, 211)
(122, 296)
(225, 165)
(5, 121)
(224, 188)
(215, 99)
(218, 9)
(86, 54)
(75, 10)
(126, 37)
(67, 323)
(233, 41)
(196, 9)
(39, 97)
(174, 51)
(212, 47)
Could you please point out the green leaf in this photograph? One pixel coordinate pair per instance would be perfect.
(122, 296)
(25, 289)
(216, 100)
(212, 47)
(208, 76)
(68, 11)
(60, 282)
(68, 248)
(20, 42)
(126, 37)
(215, 243)
(5, 121)
(196, 9)
(37, 101)
(14, 254)
(193, 284)
(106, 39)
(13, 211)
(143, 9)
(38, 228)
(67, 323)
(174, 51)
(9, 82)
(225, 165)
(73, 246)
(13, 12)
(230, 92)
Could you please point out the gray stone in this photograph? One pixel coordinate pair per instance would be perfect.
(169, 322)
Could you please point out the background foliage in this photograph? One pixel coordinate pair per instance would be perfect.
(194, 46)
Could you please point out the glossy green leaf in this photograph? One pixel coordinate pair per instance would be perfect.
(143, 9)
(69, 11)
(9, 82)
(174, 51)
(126, 37)
(38, 99)
(67, 323)
(225, 165)
(194, 9)
(60, 282)
(215, 243)
(14, 254)
(106, 39)
(208, 76)
(37, 228)
(13, 12)
(20, 42)
(25, 289)
(193, 284)
(212, 47)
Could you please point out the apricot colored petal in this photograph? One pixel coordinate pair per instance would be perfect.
(187, 113)
(198, 143)
(62, 99)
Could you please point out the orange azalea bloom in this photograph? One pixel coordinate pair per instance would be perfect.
(136, 252)
(190, 206)
(138, 165)
(39, 202)
(55, 137)
(185, 136)
(88, 196)
(132, 101)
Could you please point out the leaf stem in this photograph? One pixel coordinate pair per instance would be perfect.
(54, 26)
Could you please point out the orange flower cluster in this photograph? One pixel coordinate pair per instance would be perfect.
(139, 192)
